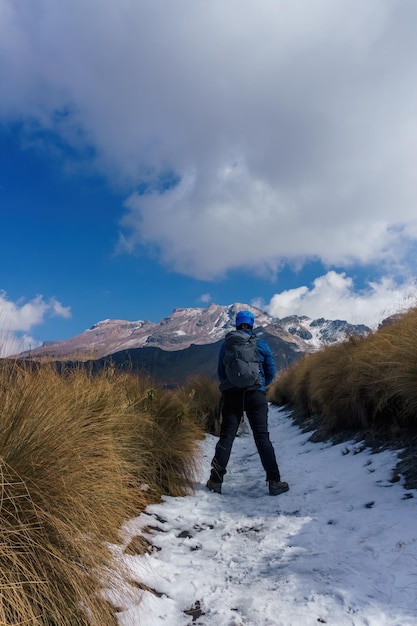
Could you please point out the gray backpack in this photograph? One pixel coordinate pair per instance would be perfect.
(241, 360)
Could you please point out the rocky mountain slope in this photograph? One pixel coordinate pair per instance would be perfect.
(193, 326)
(187, 342)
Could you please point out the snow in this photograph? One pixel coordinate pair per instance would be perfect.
(339, 548)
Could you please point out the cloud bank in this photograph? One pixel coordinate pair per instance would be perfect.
(17, 320)
(334, 296)
(267, 133)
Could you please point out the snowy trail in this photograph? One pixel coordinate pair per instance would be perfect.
(340, 548)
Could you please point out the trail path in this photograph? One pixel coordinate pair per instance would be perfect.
(340, 548)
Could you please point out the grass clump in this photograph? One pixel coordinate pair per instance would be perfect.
(64, 494)
(82, 453)
(203, 398)
(364, 383)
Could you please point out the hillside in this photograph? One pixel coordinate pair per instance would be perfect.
(173, 367)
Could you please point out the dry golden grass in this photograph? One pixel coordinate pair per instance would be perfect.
(165, 442)
(291, 386)
(65, 493)
(203, 397)
(80, 455)
(363, 383)
(160, 434)
(332, 390)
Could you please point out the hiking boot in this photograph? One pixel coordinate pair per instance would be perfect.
(276, 487)
(214, 486)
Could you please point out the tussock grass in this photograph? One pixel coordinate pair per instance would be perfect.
(165, 443)
(363, 383)
(81, 454)
(203, 398)
(160, 431)
(332, 389)
(65, 493)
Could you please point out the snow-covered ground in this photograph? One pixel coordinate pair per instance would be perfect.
(340, 548)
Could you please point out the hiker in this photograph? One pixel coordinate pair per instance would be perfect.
(243, 389)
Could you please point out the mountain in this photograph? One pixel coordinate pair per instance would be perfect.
(187, 341)
(186, 327)
(178, 331)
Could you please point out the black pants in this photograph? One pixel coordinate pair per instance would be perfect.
(255, 404)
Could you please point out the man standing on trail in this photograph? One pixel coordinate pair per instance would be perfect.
(246, 366)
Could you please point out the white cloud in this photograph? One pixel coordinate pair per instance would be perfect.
(13, 343)
(58, 310)
(333, 296)
(292, 126)
(206, 298)
(19, 318)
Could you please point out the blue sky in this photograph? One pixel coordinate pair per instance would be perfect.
(155, 156)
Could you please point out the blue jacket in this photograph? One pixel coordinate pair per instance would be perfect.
(267, 364)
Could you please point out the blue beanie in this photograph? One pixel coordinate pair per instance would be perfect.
(245, 317)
